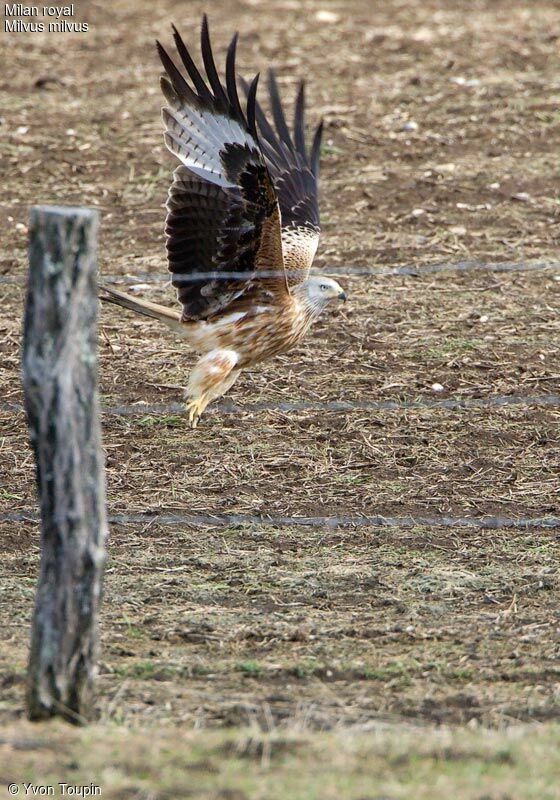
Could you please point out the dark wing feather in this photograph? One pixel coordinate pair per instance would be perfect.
(223, 221)
(295, 173)
(231, 83)
(278, 111)
(316, 151)
(299, 120)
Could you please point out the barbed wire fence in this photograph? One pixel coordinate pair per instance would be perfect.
(60, 387)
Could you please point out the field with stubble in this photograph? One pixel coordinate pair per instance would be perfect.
(344, 583)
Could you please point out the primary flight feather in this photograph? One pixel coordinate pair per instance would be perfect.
(242, 224)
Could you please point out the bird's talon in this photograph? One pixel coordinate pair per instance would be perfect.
(195, 410)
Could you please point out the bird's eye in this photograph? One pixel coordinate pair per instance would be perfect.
(323, 287)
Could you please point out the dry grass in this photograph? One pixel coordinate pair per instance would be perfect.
(248, 764)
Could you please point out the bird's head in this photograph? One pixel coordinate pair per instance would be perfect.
(319, 290)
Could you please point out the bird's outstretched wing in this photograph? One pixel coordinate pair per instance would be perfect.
(223, 223)
(295, 172)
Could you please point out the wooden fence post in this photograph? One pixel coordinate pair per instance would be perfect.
(60, 386)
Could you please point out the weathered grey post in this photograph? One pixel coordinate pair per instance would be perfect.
(60, 385)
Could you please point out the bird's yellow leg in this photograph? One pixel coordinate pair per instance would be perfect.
(195, 409)
(211, 377)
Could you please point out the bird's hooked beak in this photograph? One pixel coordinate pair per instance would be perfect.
(343, 296)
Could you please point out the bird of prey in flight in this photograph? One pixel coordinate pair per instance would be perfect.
(242, 223)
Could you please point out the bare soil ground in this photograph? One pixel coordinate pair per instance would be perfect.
(442, 142)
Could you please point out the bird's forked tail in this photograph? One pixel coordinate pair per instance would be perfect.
(145, 307)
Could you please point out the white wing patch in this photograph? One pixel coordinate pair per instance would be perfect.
(196, 138)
